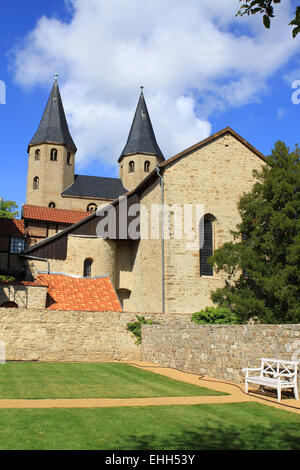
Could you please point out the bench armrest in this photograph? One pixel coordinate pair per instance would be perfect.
(247, 369)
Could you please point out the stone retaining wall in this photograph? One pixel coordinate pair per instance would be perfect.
(46, 335)
(219, 351)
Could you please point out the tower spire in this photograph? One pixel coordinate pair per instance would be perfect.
(141, 139)
(53, 127)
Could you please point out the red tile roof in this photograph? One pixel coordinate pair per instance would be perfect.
(13, 227)
(48, 214)
(80, 294)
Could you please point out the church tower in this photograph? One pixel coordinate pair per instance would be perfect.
(141, 153)
(51, 155)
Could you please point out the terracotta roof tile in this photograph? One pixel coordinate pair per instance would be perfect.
(48, 214)
(80, 294)
(12, 227)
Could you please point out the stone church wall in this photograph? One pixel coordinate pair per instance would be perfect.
(219, 351)
(216, 176)
(31, 334)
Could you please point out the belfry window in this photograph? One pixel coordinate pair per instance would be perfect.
(147, 166)
(206, 245)
(69, 158)
(87, 267)
(131, 167)
(52, 204)
(36, 182)
(53, 155)
(37, 154)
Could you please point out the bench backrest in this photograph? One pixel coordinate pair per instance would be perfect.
(277, 366)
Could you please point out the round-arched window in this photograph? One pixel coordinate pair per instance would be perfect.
(53, 155)
(36, 182)
(92, 207)
(131, 167)
(37, 154)
(147, 166)
(87, 267)
(52, 204)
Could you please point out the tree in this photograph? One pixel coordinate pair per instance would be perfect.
(8, 209)
(262, 265)
(265, 7)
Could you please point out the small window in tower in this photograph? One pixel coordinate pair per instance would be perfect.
(131, 167)
(69, 158)
(37, 154)
(36, 182)
(53, 155)
(87, 267)
(91, 207)
(52, 204)
(147, 166)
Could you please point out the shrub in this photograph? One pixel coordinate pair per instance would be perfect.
(215, 315)
(136, 327)
(7, 278)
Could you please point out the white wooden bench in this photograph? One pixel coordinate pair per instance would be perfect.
(274, 373)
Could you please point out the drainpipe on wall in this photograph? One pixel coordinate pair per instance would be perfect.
(157, 169)
(38, 259)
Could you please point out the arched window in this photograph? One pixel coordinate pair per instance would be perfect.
(37, 154)
(146, 166)
(69, 158)
(131, 166)
(206, 245)
(52, 204)
(36, 182)
(87, 267)
(53, 155)
(91, 207)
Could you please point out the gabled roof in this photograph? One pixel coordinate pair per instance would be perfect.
(208, 140)
(97, 187)
(48, 214)
(14, 227)
(80, 294)
(141, 137)
(53, 127)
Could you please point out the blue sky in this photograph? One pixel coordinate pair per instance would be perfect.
(104, 54)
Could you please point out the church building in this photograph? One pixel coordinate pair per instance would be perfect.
(160, 273)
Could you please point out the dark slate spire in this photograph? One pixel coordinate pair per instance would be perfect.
(53, 127)
(141, 137)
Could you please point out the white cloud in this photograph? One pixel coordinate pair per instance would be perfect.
(180, 51)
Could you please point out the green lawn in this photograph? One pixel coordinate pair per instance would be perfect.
(106, 380)
(227, 426)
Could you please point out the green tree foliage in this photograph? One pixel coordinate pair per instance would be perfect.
(215, 315)
(8, 209)
(266, 8)
(262, 266)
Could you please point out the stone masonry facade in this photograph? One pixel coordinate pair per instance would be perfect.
(66, 336)
(219, 351)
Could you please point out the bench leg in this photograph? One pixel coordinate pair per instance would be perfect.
(246, 386)
(296, 393)
(279, 394)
